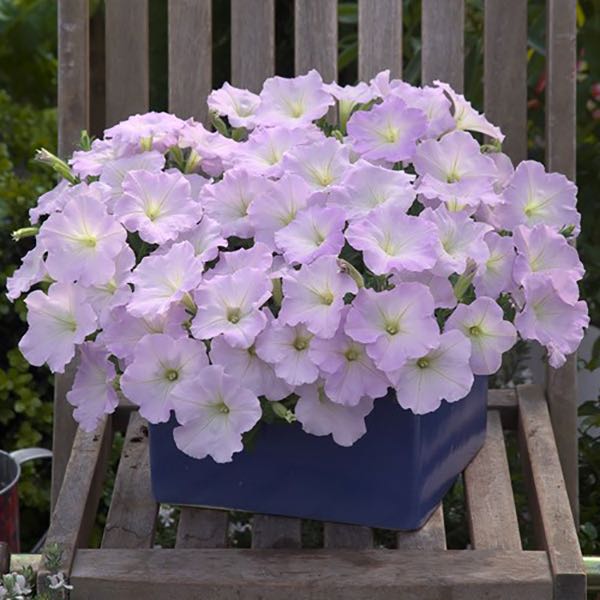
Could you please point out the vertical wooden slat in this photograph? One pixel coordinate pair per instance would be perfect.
(127, 72)
(443, 42)
(73, 72)
(252, 42)
(491, 506)
(190, 57)
(560, 156)
(63, 429)
(73, 116)
(336, 535)
(316, 33)
(379, 38)
(276, 532)
(201, 528)
(97, 72)
(75, 511)
(132, 515)
(505, 72)
(549, 502)
(432, 536)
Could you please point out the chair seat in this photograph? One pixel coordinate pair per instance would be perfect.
(277, 567)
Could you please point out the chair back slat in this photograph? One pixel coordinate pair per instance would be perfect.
(379, 38)
(505, 72)
(561, 58)
(316, 46)
(252, 42)
(73, 75)
(443, 42)
(127, 69)
(316, 37)
(190, 57)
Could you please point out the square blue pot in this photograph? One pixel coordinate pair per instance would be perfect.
(393, 477)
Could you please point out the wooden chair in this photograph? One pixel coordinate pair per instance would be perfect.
(126, 566)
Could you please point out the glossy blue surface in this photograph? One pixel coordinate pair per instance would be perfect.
(393, 477)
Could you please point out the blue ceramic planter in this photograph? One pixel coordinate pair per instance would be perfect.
(393, 477)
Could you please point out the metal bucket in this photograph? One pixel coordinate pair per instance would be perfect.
(10, 471)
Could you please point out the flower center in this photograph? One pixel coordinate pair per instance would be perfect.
(325, 178)
(392, 328)
(390, 134)
(352, 354)
(252, 350)
(296, 109)
(222, 408)
(301, 343)
(234, 315)
(89, 241)
(475, 331)
(326, 298)
(171, 375)
(453, 177)
(423, 362)
(153, 211)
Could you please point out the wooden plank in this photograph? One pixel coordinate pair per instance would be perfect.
(491, 506)
(432, 536)
(334, 575)
(4, 558)
(252, 42)
(202, 528)
(74, 514)
(73, 116)
(505, 402)
(63, 429)
(561, 47)
(131, 517)
(276, 532)
(336, 535)
(73, 73)
(443, 42)
(379, 38)
(190, 57)
(97, 72)
(505, 72)
(127, 72)
(316, 37)
(548, 498)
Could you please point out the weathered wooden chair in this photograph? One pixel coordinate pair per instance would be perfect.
(495, 566)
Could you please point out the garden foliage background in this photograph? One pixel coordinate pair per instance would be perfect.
(28, 121)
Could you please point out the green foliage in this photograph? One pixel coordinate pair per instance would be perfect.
(25, 392)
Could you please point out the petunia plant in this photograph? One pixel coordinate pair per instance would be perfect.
(323, 245)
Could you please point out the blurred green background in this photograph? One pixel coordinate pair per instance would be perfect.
(28, 121)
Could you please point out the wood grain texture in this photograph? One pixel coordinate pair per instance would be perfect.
(4, 558)
(73, 73)
(316, 37)
(190, 57)
(491, 506)
(549, 503)
(505, 402)
(252, 42)
(202, 528)
(63, 429)
(432, 536)
(561, 48)
(97, 73)
(443, 42)
(330, 575)
(276, 532)
(132, 514)
(379, 38)
(505, 72)
(73, 117)
(336, 535)
(75, 511)
(127, 72)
